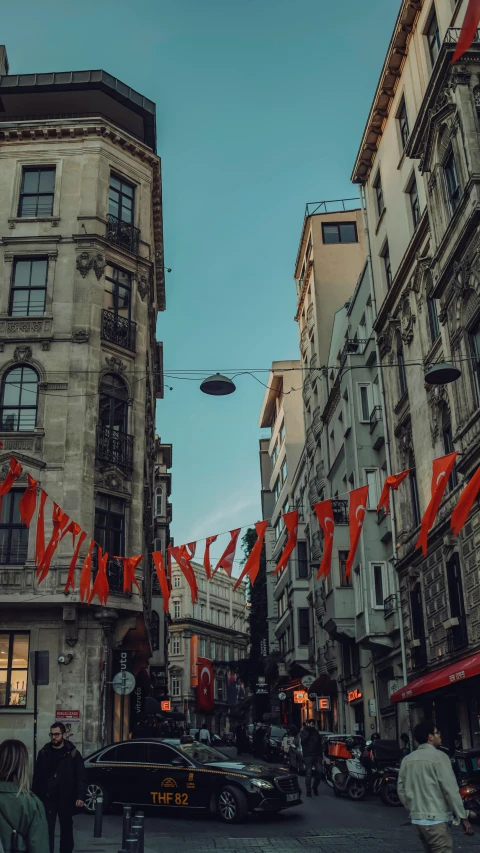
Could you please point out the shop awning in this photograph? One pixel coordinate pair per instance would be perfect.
(445, 677)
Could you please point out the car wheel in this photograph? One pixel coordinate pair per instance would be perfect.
(356, 789)
(231, 805)
(95, 790)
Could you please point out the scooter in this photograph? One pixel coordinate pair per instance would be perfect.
(347, 774)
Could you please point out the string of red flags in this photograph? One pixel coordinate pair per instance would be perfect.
(40, 535)
(465, 502)
(469, 29)
(59, 522)
(12, 474)
(70, 584)
(86, 574)
(228, 556)
(441, 470)
(162, 578)
(324, 513)
(356, 516)
(252, 564)
(100, 586)
(392, 482)
(291, 523)
(180, 556)
(129, 566)
(206, 559)
(28, 502)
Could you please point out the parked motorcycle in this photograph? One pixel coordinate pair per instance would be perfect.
(347, 774)
(466, 765)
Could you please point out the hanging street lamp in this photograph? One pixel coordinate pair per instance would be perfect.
(442, 373)
(217, 386)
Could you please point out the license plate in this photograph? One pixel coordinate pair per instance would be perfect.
(291, 798)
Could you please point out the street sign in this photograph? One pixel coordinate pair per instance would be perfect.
(282, 696)
(67, 715)
(123, 683)
(307, 681)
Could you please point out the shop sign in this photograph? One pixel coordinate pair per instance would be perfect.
(300, 696)
(261, 689)
(282, 696)
(165, 706)
(121, 661)
(353, 695)
(323, 703)
(307, 681)
(67, 715)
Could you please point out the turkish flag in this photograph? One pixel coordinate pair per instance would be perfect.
(206, 558)
(252, 566)
(469, 29)
(291, 523)
(86, 574)
(356, 516)
(392, 482)
(12, 474)
(226, 560)
(180, 555)
(100, 586)
(205, 694)
(324, 513)
(40, 536)
(75, 530)
(162, 577)
(441, 470)
(465, 503)
(59, 520)
(28, 502)
(190, 549)
(129, 566)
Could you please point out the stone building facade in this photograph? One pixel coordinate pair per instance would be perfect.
(82, 281)
(418, 168)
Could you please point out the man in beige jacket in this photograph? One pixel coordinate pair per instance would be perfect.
(429, 790)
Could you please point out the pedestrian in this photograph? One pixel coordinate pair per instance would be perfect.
(428, 788)
(204, 735)
(258, 737)
(23, 825)
(311, 749)
(60, 780)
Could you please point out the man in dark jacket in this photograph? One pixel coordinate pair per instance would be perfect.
(311, 749)
(60, 780)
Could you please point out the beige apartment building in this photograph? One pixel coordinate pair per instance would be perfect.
(82, 282)
(417, 168)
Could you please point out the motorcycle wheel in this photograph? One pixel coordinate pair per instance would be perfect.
(356, 789)
(389, 795)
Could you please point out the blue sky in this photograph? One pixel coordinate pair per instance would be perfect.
(260, 108)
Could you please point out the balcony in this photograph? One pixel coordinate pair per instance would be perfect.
(317, 547)
(118, 330)
(352, 347)
(390, 605)
(317, 423)
(457, 635)
(310, 441)
(377, 428)
(114, 447)
(307, 392)
(314, 371)
(122, 234)
(114, 574)
(340, 511)
(312, 492)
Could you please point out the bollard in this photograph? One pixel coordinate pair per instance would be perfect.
(97, 827)
(131, 844)
(138, 830)
(127, 824)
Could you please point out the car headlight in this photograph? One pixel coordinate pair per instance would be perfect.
(260, 783)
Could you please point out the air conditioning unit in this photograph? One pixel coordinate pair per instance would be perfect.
(450, 623)
(414, 644)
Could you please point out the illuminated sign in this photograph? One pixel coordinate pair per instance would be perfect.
(299, 697)
(323, 703)
(354, 694)
(165, 706)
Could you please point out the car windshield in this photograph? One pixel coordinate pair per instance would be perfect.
(275, 731)
(202, 753)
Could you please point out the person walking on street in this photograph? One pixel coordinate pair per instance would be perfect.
(23, 825)
(204, 735)
(311, 749)
(60, 780)
(428, 789)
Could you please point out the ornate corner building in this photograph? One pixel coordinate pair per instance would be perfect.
(81, 260)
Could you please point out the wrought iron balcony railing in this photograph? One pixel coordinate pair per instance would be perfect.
(122, 234)
(375, 417)
(118, 330)
(114, 574)
(453, 34)
(390, 604)
(340, 511)
(115, 447)
(457, 636)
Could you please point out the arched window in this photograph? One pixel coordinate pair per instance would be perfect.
(113, 403)
(19, 399)
(402, 376)
(159, 501)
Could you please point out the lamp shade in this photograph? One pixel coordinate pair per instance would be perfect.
(217, 385)
(442, 373)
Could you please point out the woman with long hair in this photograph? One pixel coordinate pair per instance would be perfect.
(23, 825)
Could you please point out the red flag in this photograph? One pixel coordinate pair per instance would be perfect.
(205, 698)
(226, 560)
(324, 513)
(59, 521)
(70, 584)
(392, 482)
(129, 566)
(162, 577)
(252, 566)
(12, 474)
(86, 574)
(40, 537)
(206, 559)
(180, 556)
(441, 470)
(469, 29)
(191, 548)
(465, 503)
(356, 516)
(100, 584)
(291, 523)
(28, 502)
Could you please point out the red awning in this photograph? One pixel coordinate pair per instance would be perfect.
(444, 677)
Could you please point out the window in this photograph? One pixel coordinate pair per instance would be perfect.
(303, 626)
(219, 689)
(13, 669)
(414, 500)
(414, 202)
(36, 194)
(19, 399)
(175, 645)
(220, 652)
(159, 501)
(202, 647)
(339, 232)
(403, 124)
(275, 454)
(175, 687)
(358, 591)
(13, 534)
(202, 612)
(387, 266)
(342, 561)
(474, 338)
(282, 432)
(371, 477)
(402, 376)
(433, 324)
(134, 752)
(213, 649)
(212, 615)
(120, 199)
(29, 288)
(110, 524)
(379, 195)
(448, 446)
(176, 610)
(451, 181)
(118, 292)
(284, 471)
(365, 402)
(177, 581)
(379, 584)
(113, 403)
(158, 753)
(433, 38)
(302, 560)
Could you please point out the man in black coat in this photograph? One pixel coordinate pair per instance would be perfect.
(311, 749)
(60, 780)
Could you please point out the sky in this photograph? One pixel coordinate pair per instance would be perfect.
(260, 108)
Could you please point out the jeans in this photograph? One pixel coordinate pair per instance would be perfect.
(436, 838)
(65, 819)
(312, 762)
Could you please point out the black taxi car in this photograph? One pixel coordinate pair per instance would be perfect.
(170, 774)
